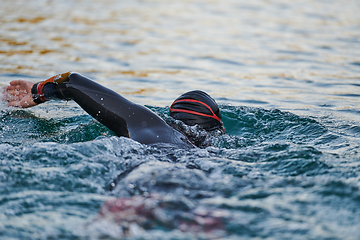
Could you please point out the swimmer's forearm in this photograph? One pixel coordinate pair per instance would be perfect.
(105, 105)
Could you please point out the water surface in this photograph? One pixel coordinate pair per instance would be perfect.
(286, 76)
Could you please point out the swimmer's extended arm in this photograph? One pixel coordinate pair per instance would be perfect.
(122, 116)
(95, 99)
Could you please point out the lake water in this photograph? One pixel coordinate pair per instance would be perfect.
(285, 73)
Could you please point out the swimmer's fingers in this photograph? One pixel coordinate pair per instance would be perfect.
(20, 101)
(14, 104)
(11, 94)
(20, 85)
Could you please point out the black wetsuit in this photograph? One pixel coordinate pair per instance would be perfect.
(120, 115)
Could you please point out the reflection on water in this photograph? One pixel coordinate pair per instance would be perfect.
(275, 52)
(281, 174)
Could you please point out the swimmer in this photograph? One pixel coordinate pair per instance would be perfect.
(120, 115)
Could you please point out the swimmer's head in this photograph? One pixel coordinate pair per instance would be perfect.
(197, 107)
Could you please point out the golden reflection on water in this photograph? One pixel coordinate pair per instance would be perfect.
(32, 20)
(246, 53)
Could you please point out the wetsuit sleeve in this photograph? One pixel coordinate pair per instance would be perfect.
(120, 115)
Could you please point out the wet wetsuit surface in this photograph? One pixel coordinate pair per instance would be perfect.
(120, 115)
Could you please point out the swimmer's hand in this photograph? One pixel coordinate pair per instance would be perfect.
(18, 94)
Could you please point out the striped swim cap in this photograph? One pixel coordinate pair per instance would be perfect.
(197, 107)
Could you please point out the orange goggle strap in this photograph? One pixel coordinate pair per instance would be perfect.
(194, 112)
(37, 89)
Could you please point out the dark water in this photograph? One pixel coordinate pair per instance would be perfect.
(276, 175)
(286, 75)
